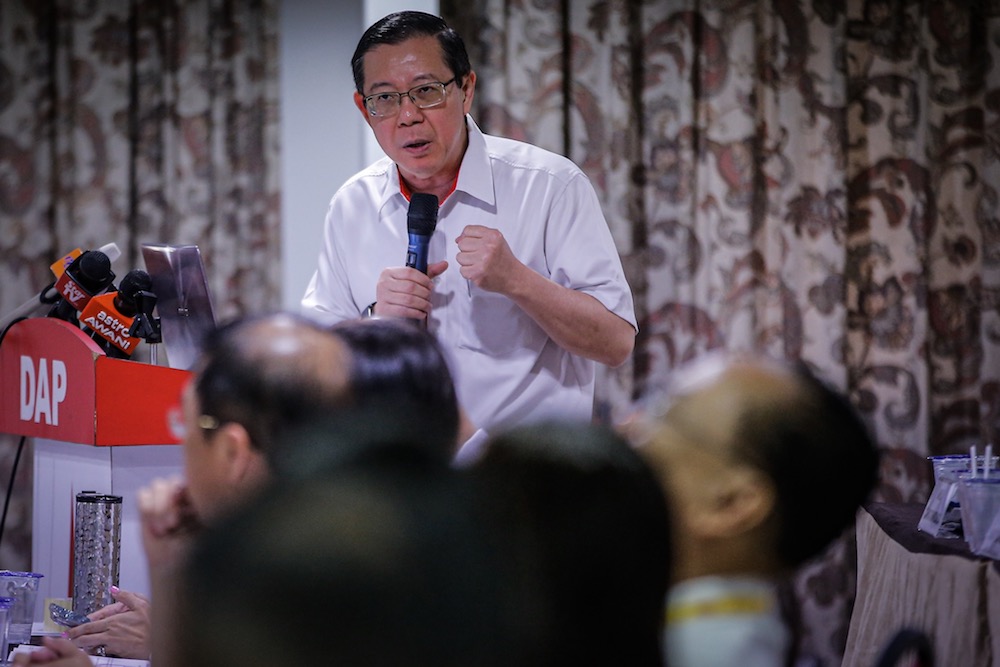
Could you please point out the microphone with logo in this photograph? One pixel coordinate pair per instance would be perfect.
(42, 302)
(87, 275)
(421, 219)
(108, 317)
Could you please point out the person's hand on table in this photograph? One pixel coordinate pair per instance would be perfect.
(56, 652)
(122, 628)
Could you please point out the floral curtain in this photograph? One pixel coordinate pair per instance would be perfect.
(136, 121)
(817, 180)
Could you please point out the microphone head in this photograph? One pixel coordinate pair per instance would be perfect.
(135, 281)
(93, 271)
(421, 218)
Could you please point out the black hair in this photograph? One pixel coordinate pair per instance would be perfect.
(401, 26)
(241, 378)
(398, 369)
(601, 533)
(820, 457)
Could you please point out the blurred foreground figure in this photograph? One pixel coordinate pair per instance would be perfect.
(259, 380)
(399, 370)
(765, 466)
(600, 539)
(384, 562)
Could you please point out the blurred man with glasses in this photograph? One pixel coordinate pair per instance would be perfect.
(524, 287)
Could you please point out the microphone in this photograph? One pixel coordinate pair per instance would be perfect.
(421, 219)
(48, 295)
(87, 275)
(109, 317)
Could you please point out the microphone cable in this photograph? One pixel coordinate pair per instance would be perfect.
(17, 456)
(10, 486)
(3, 334)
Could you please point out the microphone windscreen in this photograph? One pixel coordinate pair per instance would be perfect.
(93, 270)
(135, 281)
(421, 218)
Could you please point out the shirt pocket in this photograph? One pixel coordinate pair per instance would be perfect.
(498, 327)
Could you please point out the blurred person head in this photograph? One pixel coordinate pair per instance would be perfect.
(765, 465)
(373, 563)
(258, 380)
(600, 532)
(398, 370)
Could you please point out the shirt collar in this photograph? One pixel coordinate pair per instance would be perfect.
(475, 175)
(475, 178)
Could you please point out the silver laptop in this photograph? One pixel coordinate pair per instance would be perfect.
(183, 302)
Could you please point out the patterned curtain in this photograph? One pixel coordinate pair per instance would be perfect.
(816, 180)
(136, 121)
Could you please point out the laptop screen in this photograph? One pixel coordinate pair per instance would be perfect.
(183, 302)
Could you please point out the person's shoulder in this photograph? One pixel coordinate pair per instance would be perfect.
(373, 174)
(523, 155)
(365, 184)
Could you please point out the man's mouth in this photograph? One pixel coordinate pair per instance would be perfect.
(412, 145)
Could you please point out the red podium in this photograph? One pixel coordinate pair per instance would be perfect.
(100, 424)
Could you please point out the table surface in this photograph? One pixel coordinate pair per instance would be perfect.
(908, 578)
(96, 660)
(899, 521)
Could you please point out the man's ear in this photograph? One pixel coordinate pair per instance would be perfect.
(468, 91)
(237, 452)
(359, 102)
(741, 499)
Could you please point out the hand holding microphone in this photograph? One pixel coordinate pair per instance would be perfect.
(401, 291)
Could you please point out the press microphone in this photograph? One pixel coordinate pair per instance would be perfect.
(109, 317)
(421, 219)
(87, 276)
(48, 295)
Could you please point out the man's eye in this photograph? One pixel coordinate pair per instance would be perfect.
(424, 90)
(385, 97)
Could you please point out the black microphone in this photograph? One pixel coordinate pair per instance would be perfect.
(42, 302)
(109, 317)
(86, 276)
(421, 219)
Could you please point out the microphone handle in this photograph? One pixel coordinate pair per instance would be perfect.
(416, 252)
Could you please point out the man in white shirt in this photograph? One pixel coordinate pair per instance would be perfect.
(524, 287)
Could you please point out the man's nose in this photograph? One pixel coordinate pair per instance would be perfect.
(408, 110)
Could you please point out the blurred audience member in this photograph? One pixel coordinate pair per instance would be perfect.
(372, 563)
(765, 466)
(398, 366)
(600, 530)
(258, 380)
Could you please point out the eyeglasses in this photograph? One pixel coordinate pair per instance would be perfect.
(208, 422)
(424, 96)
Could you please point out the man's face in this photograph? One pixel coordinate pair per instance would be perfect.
(202, 466)
(426, 144)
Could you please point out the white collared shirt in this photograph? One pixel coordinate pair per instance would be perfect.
(506, 369)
